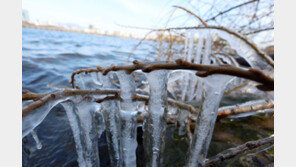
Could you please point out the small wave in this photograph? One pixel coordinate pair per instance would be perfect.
(74, 55)
(106, 57)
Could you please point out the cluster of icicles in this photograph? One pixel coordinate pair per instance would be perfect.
(118, 118)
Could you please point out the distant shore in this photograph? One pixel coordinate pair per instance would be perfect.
(75, 30)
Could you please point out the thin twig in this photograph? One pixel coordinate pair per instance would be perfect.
(26, 95)
(228, 10)
(236, 88)
(113, 92)
(232, 152)
(243, 108)
(260, 30)
(86, 71)
(193, 14)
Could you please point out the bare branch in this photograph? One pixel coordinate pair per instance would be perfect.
(243, 108)
(193, 14)
(232, 152)
(86, 71)
(260, 30)
(203, 71)
(66, 93)
(230, 9)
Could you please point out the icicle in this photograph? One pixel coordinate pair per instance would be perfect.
(155, 122)
(197, 58)
(99, 121)
(208, 49)
(82, 81)
(245, 51)
(38, 143)
(95, 78)
(36, 116)
(213, 89)
(182, 119)
(81, 114)
(109, 110)
(190, 46)
(128, 120)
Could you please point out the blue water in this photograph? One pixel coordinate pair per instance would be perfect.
(49, 58)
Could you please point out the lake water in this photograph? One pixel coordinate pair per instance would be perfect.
(49, 58)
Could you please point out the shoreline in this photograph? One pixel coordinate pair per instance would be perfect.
(26, 24)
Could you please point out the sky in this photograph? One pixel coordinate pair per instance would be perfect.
(105, 14)
(109, 14)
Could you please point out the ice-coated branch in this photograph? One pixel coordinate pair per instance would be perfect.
(222, 112)
(267, 83)
(230, 153)
(243, 108)
(26, 95)
(66, 93)
(86, 71)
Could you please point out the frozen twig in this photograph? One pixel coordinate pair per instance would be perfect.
(114, 95)
(266, 82)
(232, 152)
(243, 108)
(66, 93)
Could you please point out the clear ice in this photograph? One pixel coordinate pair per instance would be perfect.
(128, 120)
(81, 114)
(35, 137)
(155, 120)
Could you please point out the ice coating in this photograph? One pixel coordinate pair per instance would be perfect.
(35, 137)
(81, 115)
(110, 111)
(36, 116)
(155, 122)
(210, 90)
(128, 120)
(244, 50)
(213, 90)
(182, 119)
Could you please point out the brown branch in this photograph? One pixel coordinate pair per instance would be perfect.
(222, 112)
(236, 88)
(113, 92)
(267, 83)
(232, 152)
(86, 71)
(243, 108)
(145, 98)
(260, 30)
(172, 102)
(63, 94)
(193, 14)
(228, 10)
(206, 70)
(26, 95)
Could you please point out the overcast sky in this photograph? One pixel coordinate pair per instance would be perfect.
(103, 13)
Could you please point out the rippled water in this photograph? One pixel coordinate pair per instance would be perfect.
(49, 58)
